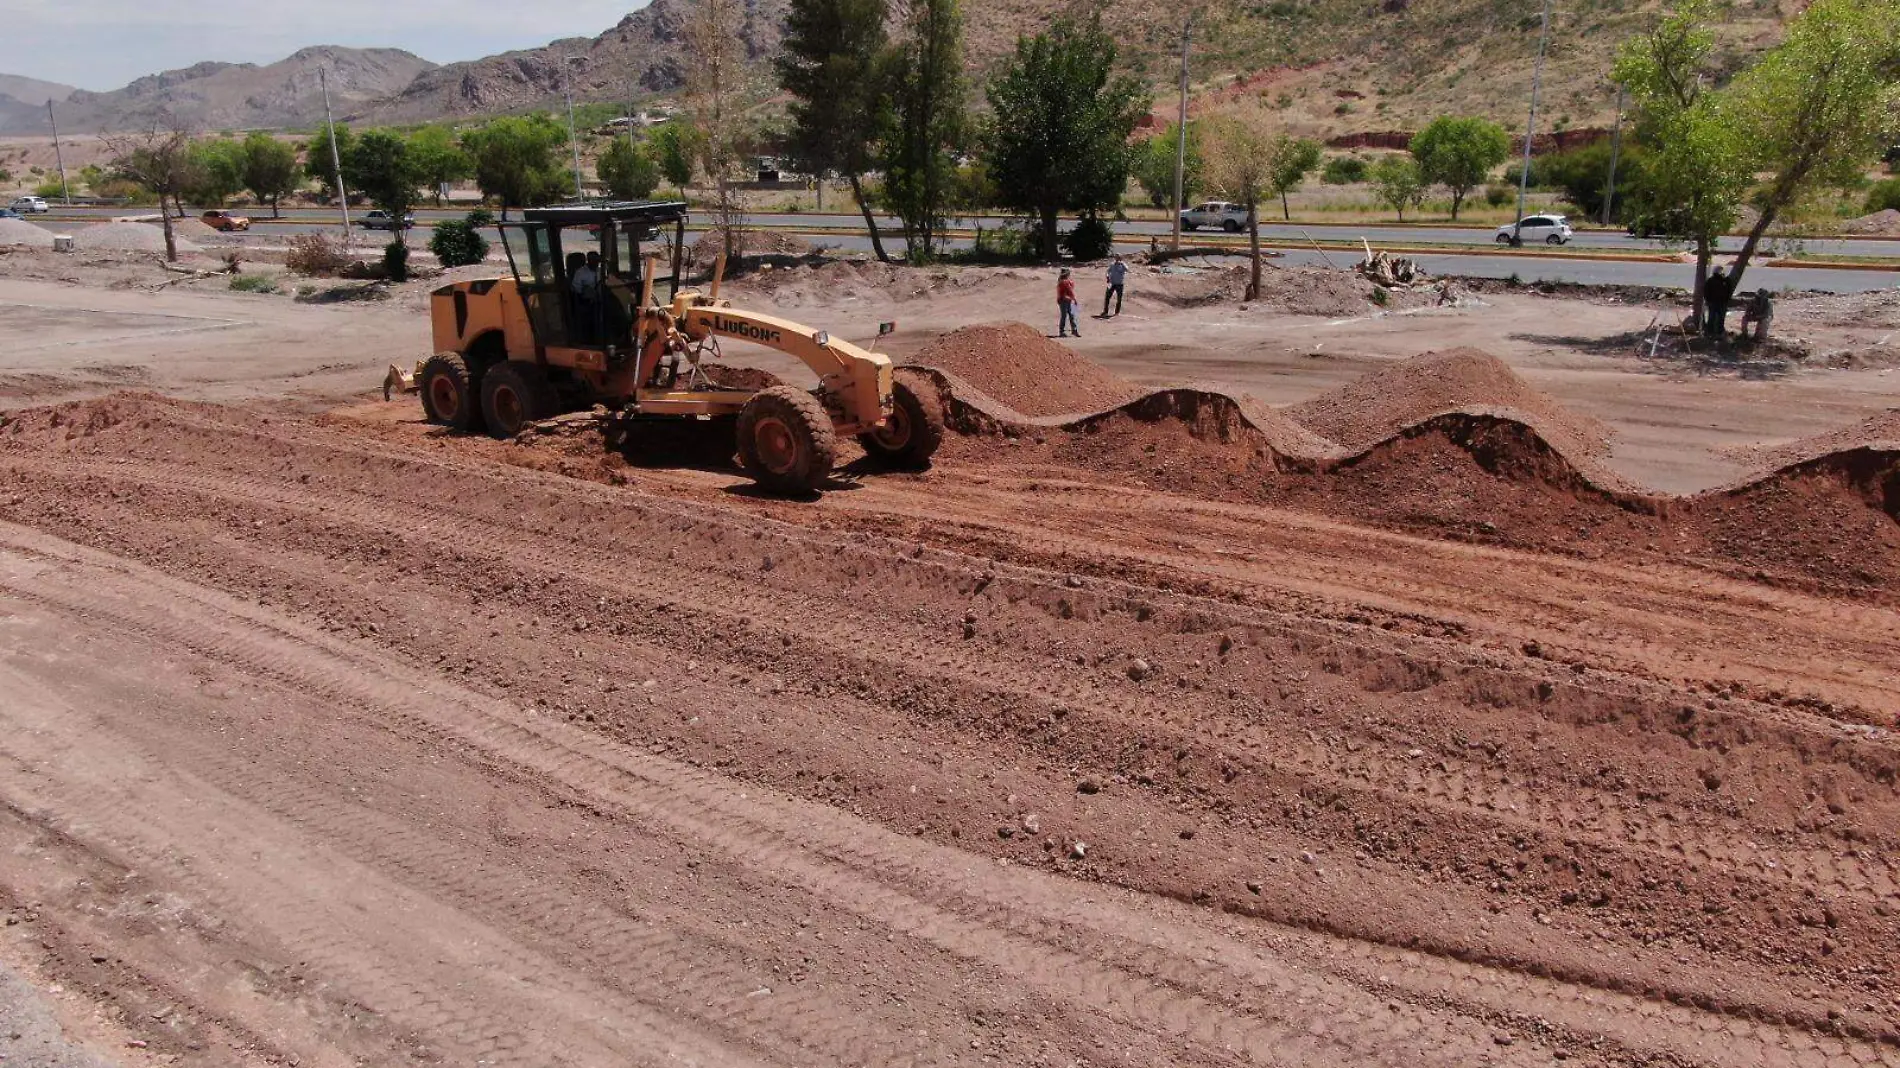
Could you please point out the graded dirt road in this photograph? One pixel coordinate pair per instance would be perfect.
(327, 739)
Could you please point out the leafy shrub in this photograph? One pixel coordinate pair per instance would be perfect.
(396, 261)
(1004, 243)
(1091, 239)
(481, 218)
(1344, 170)
(456, 244)
(1499, 195)
(1884, 195)
(51, 189)
(253, 283)
(5, 175)
(315, 255)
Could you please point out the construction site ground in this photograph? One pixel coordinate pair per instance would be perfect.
(1511, 709)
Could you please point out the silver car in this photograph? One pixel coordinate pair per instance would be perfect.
(30, 206)
(1547, 229)
(1229, 217)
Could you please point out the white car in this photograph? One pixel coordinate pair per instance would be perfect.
(1229, 217)
(30, 206)
(1549, 229)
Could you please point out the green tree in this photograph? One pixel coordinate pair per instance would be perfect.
(1583, 174)
(1459, 153)
(270, 169)
(1153, 166)
(386, 174)
(1819, 108)
(438, 159)
(831, 62)
(457, 243)
(627, 170)
(1291, 160)
(320, 167)
(927, 122)
(1060, 139)
(217, 172)
(517, 159)
(1699, 166)
(1344, 170)
(1397, 183)
(675, 145)
(1240, 168)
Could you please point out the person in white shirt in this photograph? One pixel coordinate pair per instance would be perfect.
(1117, 283)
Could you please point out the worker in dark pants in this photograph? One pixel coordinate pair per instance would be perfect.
(1117, 285)
(1716, 294)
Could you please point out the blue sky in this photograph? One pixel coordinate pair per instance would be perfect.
(103, 44)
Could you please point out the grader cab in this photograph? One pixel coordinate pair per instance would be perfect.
(595, 313)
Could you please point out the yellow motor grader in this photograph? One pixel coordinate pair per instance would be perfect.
(565, 333)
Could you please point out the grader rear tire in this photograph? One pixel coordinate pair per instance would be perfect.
(914, 430)
(515, 394)
(786, 440)
(449, 393)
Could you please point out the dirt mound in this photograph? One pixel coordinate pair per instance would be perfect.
(1884, 223)
(1382, 403)
(1833, 519)
(705, 251)
(19, 232)
(1321, 291)
(726, 376)
(1882, 430)
(1020, 367)
(128, 237)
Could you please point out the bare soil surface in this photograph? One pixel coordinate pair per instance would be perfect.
(1136, 737)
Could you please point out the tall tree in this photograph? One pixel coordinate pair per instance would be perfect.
(158, 158)
(1153, 165)
(1397, 182)
(714, 88)
(675, 147)
(217, 172)
(1819, 109)
(927, 122)
(438, 159)
(270, 169)
(627, 170)
(1240, 168)
(1060, 139)
(1699, 164)
(1291, 160)
(387, 175)
(319, 167)
(1459, 153)
(516, 159)
(831, 62)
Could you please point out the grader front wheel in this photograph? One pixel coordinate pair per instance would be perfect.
(914, 429)
(786, 441)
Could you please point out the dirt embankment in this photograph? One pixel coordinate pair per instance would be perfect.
(1452, 444)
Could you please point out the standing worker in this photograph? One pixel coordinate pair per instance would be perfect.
(1716, 293)
(1117, 284)
(1066, 305)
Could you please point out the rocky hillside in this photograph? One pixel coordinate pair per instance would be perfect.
(32, 91)
(638, 57)
(237, 96)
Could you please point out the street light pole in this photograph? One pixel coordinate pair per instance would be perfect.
(1616, 150)
(336, 158)
(65, 191)
(1180, 135)
(573, 138)
(1530, 130)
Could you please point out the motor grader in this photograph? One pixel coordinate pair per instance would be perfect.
(561, 335)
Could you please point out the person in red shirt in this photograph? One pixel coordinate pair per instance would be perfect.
(1066, 305)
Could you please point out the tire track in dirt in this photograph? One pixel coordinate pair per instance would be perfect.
(1601, 818)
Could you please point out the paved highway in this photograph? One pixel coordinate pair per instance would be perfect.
(1528, 264)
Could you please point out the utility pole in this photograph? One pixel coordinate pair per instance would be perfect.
(65, 191)
(573, 139)
(1616, 150)
(1180, 134)
(1530, 130)
(336, 158)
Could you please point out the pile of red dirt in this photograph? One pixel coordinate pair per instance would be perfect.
(1875, 431)
(1884, 223)
(1378, 405)
(726, 376)
(1831, 519)
(1025, 371)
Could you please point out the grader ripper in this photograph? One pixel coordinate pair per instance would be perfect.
(511, 351)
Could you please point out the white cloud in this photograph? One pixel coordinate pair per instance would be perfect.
(103, 44)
